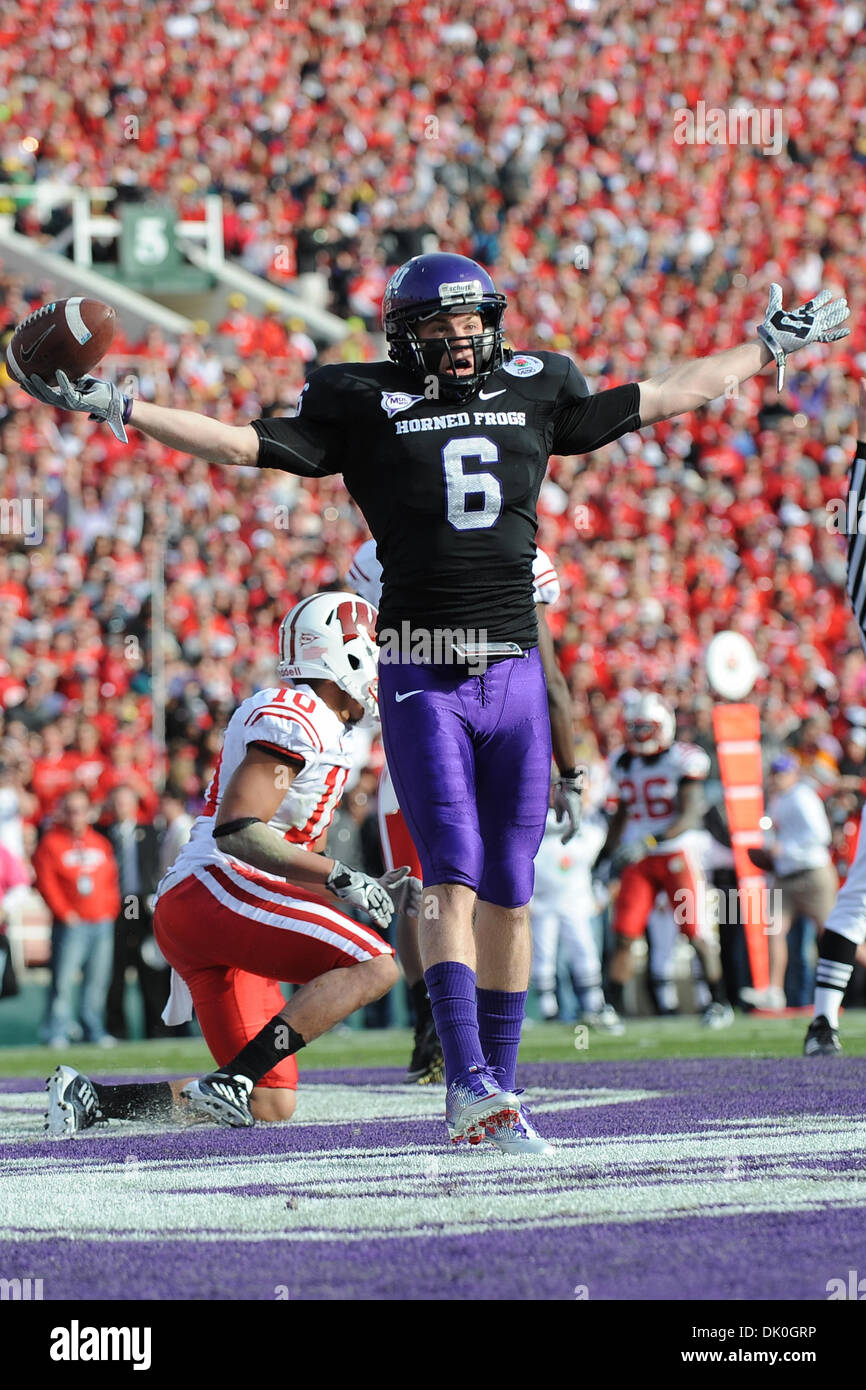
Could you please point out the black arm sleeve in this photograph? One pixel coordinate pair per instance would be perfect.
(583, 425)
(306, 447)
(285, 755)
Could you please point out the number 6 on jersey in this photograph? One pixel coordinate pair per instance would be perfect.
(460, 485)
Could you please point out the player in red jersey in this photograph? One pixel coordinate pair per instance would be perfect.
(654, 840)
(249, 901)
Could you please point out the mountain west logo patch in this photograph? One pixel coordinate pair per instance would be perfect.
(393, 401)
(521, 365)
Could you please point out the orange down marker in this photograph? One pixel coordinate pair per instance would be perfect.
(737, 730)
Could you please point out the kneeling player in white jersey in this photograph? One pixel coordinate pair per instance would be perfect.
(653, 839)
(248, 901)
(365, 577)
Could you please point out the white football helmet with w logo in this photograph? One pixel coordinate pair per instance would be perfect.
(650, 726)
(332, 637)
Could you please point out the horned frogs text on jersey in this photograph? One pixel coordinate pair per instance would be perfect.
(649, 788)
(294, 722)
(365, 576)
(449, 488)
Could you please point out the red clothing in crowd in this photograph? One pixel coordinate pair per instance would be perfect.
(52, 778)
(77, 875)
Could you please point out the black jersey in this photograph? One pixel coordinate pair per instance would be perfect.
(449, 488)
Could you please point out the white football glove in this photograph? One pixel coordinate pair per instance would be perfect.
(568, 802)
(100, 399)
(375, 896)
(404, 889)
(816, 321)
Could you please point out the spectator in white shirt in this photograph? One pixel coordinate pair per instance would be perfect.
(798, 854)
(178, 824)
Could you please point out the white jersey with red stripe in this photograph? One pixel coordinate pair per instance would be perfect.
(545, 580)
(649, 787)
(365, 575)
(293, 722)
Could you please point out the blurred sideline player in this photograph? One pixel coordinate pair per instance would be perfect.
(365, 576)
(561, 913)
(663, 934)
(845, 929)
(653, 839)
(444, 448)
(248, 901)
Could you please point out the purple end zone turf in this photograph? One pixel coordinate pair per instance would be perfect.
(718, 1179)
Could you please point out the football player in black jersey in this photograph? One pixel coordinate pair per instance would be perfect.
(444, 448)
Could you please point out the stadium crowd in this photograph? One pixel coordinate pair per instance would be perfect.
(538, 138)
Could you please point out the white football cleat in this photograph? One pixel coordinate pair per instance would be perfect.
(224, 1098)
(475, 1103)
(548, 1004)
(717, 1015)
(72, 1103)
(519, 1136)
(772, 998)
(607, 1020)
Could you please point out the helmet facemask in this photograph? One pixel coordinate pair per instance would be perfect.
(650, 726)
(423, 356)
(361, 656)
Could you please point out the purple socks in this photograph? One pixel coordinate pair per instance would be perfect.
(500, 1017)
(451, 987)
(477, 1027)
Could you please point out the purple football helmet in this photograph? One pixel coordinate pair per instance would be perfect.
(441, 283)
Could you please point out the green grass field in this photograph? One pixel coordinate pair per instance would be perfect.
(548, 1042)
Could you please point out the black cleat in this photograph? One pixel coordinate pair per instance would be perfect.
(821, 1039)
(72, 1103)
(224, 1098)
(427, 1064)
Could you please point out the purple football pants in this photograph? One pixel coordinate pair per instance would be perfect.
(470, 760)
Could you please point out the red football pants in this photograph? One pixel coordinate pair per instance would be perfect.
(234, 934)
(678, 875)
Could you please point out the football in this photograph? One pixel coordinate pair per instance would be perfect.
(69, 335)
